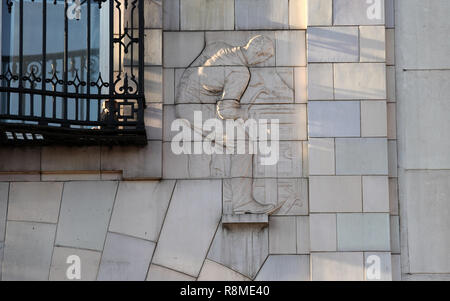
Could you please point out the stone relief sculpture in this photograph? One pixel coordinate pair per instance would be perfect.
(224, 82)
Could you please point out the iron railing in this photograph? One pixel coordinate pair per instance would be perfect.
(63, 97)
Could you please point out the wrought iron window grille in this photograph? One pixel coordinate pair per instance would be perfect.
(91, 91)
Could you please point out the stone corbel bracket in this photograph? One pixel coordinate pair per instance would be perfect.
(245, 219)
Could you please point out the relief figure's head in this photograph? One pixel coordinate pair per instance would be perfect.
(259, 49)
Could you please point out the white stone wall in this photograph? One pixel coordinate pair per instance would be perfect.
(147, 214)
(348, 140)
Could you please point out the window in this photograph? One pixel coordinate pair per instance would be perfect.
(70, 72)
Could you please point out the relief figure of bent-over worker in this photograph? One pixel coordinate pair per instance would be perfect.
(220, 76)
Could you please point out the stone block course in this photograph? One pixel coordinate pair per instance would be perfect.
(356, 12)
(333, 44)
(363, 232)
(28, 251)
(366, 156)
(323, 232)
(373, 119)
(340, 266)
(320, 82)
(360, 81)
(262, 14)
(125, 258)
(334, 119)
(90, 261)
(343, 194)
(140, 208)
(285, 268)
(207, 14)
(282, 235)
(192, 219)
(83, 222)
(35, 202)
(321, 156)
(372, 43)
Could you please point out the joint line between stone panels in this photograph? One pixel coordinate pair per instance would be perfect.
(260, 268)
(173, 270)
(212, 240)
(56, 230)
(162, 225)
(131, 236)
(107, 229)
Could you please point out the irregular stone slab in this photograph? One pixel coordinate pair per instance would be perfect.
(4, 190)
(28, 251)
(192, 219)
(357, 12)
(323, 232)
(159, 273)
(359, 81)
(89, 261)
(207, 15)
(291, 48)
(282, 235)
(333, 44)
(241, 248)
(285, 268)
(424, 94)
(366, 156)
(35, 202)
(212, 271)
(378, 263)
(342, 194)
(339, 266)
(262, 14)
(85, 212)
(182, 48)
(320, 12)
(334, 119)
(140, 208)
(363, 232)
(426, 194)
(125, 258)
